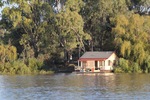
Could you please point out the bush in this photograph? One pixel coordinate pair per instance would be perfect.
(35, 64)
(127, 67)
(45, 72)
(146, 65)
(118, 70)
(135, 67)
(15, 67)
(123, 64)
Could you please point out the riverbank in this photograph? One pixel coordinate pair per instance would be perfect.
(42, 72)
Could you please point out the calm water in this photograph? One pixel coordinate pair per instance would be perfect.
(75, 87)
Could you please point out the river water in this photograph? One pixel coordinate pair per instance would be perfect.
(75, 87)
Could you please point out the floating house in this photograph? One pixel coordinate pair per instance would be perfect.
(97, 61)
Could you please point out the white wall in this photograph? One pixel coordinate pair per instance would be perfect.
(111, 58)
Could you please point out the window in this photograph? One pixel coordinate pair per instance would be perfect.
(103, 63)
(114, 63)
(100, 63)
(109, 62)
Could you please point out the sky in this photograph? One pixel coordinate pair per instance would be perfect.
(0, 11)
(1, 8)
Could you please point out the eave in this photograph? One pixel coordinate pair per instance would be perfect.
(89, 59)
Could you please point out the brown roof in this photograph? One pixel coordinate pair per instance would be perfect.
(96, 55)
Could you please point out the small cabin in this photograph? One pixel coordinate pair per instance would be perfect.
(97, 61)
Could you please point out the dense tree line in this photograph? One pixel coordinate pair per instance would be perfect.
(36, 35)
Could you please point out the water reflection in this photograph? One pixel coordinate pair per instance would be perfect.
(75, 86)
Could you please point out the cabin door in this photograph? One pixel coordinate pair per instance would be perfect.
(96, 65)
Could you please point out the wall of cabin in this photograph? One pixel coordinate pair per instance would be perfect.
(109, 63)
(102, 65)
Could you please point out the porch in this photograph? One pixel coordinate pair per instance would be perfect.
(93, 66)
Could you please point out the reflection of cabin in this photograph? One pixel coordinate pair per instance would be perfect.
(97, 61)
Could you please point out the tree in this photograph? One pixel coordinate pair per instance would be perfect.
(69, 27)
(32, 18)
(97, 14)
(40, 29)
(131, 37)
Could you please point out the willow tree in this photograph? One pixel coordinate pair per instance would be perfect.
(32, 18)
(132, 37)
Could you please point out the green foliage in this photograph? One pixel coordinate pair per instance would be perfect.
(19, 67)
(32, 18)
(118, 70)
(125, 48)
(9, 64)
(39, 36)
(146, 64)
(15, 67)
(131, 39)
(35, 64)
(8, 53)
(70, 29)
(126, 66)
(135, 68)
(97, 14)
(46, 72)
(1, 3)
(74, 5)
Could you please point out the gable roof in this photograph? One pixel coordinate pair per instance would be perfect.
(96, 55)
